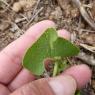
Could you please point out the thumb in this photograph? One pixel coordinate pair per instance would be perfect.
(61, 85)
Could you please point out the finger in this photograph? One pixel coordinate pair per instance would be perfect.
(25, 76)
(64, 85)
(11, 56)
(81, 73)
(22, 78)
(4, 90)
(64, 34)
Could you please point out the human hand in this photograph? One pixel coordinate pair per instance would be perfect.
(13, 76)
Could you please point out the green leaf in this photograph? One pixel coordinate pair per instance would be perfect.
(49, 45)
(78, 92)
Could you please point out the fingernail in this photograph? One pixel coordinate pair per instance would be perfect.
(63, 85)
(64, 33)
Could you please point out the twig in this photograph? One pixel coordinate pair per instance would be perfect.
(35, 9)
(20, 20)
(86, 30)
(5, 2)
(90, 48)
(24, 17)
(69, 61)
(86, 58)
(34, 16)
(8, 6)
(34, 13)
(84, 13)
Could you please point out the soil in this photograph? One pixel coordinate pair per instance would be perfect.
(16, 18)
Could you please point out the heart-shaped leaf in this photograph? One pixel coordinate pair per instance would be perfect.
(49, 45)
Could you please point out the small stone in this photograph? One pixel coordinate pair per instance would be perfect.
(56, 14)
(75, 13)
(17, 7)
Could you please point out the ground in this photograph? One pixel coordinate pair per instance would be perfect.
(16, 16)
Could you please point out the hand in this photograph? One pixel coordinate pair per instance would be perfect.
(13, 76)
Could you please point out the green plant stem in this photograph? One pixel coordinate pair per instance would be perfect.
(78, 92)
(55, 69)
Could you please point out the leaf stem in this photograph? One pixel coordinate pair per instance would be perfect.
(55, 69)
(78, 92)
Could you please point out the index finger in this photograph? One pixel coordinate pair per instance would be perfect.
(11, 56)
